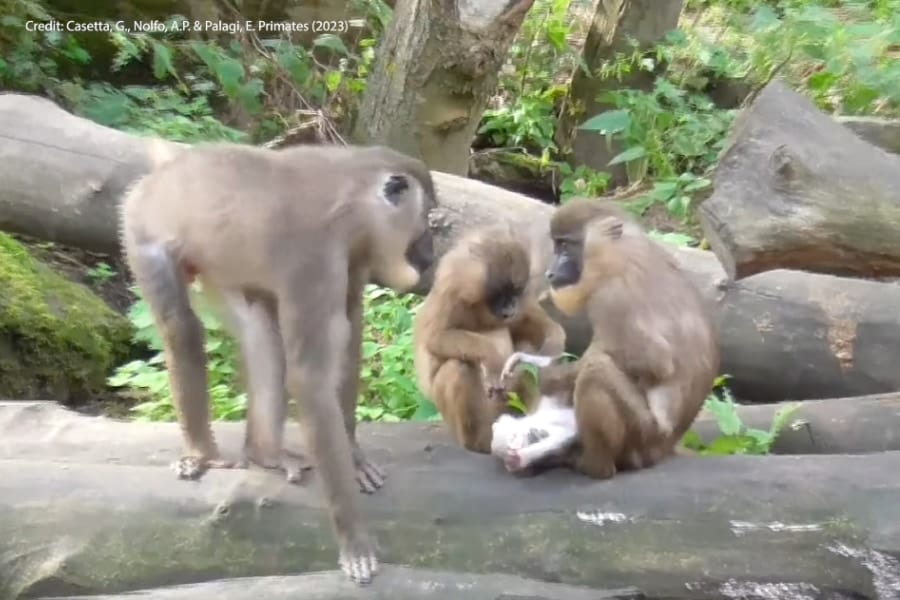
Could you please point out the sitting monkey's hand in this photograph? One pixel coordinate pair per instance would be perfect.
(494, 388)
(509, 368)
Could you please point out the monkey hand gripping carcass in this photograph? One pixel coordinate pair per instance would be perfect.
(651, 363)
(284, 243)
(480, 309)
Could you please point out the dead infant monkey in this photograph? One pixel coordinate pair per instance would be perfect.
(285, 242)
(651, 362)
(480, 309)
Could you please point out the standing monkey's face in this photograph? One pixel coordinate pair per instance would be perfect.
(405, 246)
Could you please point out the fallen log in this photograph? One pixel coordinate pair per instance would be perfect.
(80, 517)
(393, 583)
(784, 335)
(795, 189)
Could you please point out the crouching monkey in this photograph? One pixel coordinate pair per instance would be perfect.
(654, 352)
(285, 240)
(480, 309)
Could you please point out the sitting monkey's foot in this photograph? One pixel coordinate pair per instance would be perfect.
(193, 467)
(358, 560)
(369, 474)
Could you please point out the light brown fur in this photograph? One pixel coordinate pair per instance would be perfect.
(284, 241)
(461, 343)
(654, 352)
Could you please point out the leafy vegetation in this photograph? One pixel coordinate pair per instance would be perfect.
(736, 437)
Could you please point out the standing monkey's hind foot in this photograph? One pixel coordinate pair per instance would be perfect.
(291, 464)
(193, 467)
(369, 474)
(358, 560)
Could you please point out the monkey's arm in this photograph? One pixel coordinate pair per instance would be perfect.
(467, 346)
(649, 355)
(536, 329)
(559, 376)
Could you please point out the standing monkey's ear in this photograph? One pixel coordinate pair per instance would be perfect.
(393, 188)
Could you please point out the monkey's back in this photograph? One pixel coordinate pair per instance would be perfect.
(223, 205)
(656, 295)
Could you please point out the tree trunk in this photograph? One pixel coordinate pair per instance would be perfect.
(615, 23)
(794, 189)
(435, 69)
(93, 508)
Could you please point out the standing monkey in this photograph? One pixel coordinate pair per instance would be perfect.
(285, 241)
(479, 311)
(654, 352)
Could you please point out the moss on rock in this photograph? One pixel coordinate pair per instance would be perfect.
(58, 340)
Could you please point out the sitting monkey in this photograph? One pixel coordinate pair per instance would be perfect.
(479, 310)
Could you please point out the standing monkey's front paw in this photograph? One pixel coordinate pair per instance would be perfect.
(358, 559)
(369, 474)
(193, 467)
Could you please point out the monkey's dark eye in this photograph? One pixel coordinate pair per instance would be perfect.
(393, 186)
(560, 245)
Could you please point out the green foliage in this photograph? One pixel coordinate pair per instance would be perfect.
(843, 54)
(388, 391)
(388, 386)
(581, 181)
(101, 272)
(526, 123)
(736, 438)
(147, 380)
(668, 134)
(264, 80)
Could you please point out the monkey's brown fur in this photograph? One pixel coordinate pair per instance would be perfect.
(461, 343)
(285, 241)
(654, 352)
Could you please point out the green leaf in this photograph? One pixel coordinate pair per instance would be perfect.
(609, 122)
(726, 415)
(633, 153)
(332, 42)
(727, 444)
(229, 72)
(692, 440)
(162, 61)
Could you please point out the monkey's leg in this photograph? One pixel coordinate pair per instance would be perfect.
(601, 426)
(159, 279)
(369, 474)
(458, 392)
(256, 328)
(314, 333)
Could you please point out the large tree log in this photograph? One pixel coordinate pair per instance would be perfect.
(796, 190)
(92, 510)
(434, 72)
(784, 334)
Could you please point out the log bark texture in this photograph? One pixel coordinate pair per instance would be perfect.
(784, 334)
(434, 72)
(94, 509)
(795, 189)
